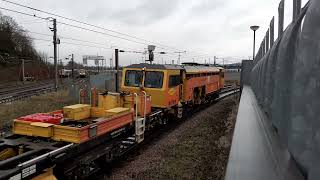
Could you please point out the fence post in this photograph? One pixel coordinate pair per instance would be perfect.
(267, 41)
(296, 9)
(264, 46)
(271, 32)
(281, 18)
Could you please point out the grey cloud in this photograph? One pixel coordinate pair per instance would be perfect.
(148, 12)
(209, 26)
(207, 6)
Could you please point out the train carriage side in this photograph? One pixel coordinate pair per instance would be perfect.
(202, 82)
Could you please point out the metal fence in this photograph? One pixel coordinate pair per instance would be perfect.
(286, 81)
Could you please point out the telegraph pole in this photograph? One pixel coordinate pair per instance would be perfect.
(23, 76)
(72, 66)
(54, 29)
(116, 54)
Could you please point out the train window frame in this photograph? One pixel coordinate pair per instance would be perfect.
(132, 85)
(177, 81)
(153, 87)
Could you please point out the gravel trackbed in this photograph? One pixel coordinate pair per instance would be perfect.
(196, 149)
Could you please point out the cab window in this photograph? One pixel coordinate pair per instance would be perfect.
(153, 79)
(133, 78)
(174, 81)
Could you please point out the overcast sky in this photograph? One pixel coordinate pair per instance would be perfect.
(201, 27)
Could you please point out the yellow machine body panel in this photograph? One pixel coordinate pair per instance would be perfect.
(158, 88)
(116, 111)
(42, 129)
(67, 134)
(77, 111)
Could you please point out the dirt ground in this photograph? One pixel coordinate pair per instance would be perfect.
(197, 149)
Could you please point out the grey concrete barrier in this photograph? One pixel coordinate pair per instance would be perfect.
(245, 78)
(282, 90)
(270, 77)
(304, 139)
(259, 79)
(264, 79)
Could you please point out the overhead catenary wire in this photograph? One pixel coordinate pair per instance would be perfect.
(99, 32)
(103, 28)
(71, 43)
(64, 37)
(26, 14)
(80, 40)
(88, 24)
(87, 29)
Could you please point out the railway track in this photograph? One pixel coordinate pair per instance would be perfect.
(18, 94)
(229, 88)
(15, 93)
(9, 89)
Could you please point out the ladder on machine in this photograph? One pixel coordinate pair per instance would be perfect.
(140, 128)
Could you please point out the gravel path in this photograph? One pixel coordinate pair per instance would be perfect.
(197, 149)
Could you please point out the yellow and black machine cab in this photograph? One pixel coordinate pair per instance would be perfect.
(161, 82)
(173, 86)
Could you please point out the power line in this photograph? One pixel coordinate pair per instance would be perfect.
(91, 30)
(127, 50)
(88, 24)
(202, 55)
(71, 43)
(74, 39)
(63, 37)
(79, 27)
(32, 15)
(86, 45)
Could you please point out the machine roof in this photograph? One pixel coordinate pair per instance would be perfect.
(155, 66)
(193, 69)
(200, 69)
